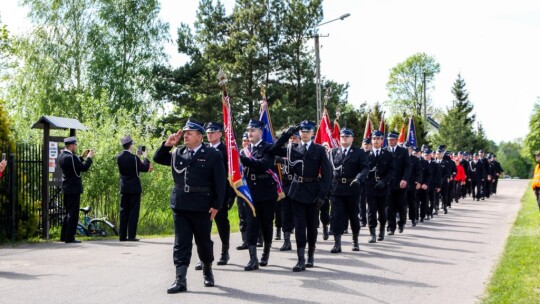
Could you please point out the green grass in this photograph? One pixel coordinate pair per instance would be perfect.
(517, 277)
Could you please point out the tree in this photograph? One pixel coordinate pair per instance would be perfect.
(456, 127)
(406, 83)
(512, 162)
(532, 140)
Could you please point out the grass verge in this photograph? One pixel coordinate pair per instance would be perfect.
(517, 277)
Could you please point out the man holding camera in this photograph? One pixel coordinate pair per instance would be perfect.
(72, 166)
(312, 176)
(130, 166)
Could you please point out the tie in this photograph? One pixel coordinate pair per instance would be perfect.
(305, 149)
(393, 150)
(191, 152)
(376, 153)
(344, 152)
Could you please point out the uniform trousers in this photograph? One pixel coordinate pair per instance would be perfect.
(457, 190)
(344, 209)
(278, 213)
(287, 214)
(423, 198)
(262, 222)
(72, 203)
(223, 225)
(305, 224)
(412, 203)
(432, 195)
(189, 224)
(476, 189)
(242, 210)
(363, 204)
(397, 205)
(376, 205)
(130, 205)
(325, 213)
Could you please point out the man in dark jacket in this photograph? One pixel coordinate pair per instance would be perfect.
(130, 166)
(312, 175)
(257, 161)
(398, 186)
(423, 192)
(413, 184)
(199, 192)
(72, 166)
(350, 167)
(377, 187)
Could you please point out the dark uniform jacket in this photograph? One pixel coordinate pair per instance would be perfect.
(72, 166)
(130, 166)
(486, 170)
(427, 173)
(402, 166)
(311, 170)
(229, 192)
(380, 168)
(261, 184)
(416, 173)
(497, 166)
(476, 171)
(435, 175)
(199, 182)
(465, 164)
(445, 169)
(346, 169)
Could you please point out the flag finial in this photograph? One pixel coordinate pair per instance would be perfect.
(222, 78)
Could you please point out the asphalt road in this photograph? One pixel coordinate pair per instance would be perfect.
(445, 260)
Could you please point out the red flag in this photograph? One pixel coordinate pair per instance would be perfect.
(234, 167)
(324, 133)
(401, 138)
(368, 129)
(382, 129)
(335, 133)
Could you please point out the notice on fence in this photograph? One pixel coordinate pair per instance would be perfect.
(53, 150)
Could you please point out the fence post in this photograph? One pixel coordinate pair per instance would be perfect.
(45, 183)
(12, 196)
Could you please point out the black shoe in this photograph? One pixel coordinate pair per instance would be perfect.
(355, 246)
(414, 223)
(391, 232)
(224, 259)
(400, 229)
(301, 265)
(445, 210)
(259, 244)
(278, 234)
(133, 240)
(73, 242)
(244, 246)
(381, 234)
(208, 275)
(266, 255)
(198, 266)
(421, 221)
(287, 242)
(180, 284)
(436, 212)
(337, 244)
(253, 261)
(325, 232)
(363, 224)
(123, 240)
(346, 231)
(372, 235)
(311, 257)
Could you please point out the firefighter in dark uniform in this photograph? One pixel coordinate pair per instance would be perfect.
(398, 186)
(198, 194)
(72, 166)
(487, 177)
(434, 185)
(312, 176)
(476, 177)
(350, 167)
(381, 172)
(422, 192)
(451, 183)
(263, 190)
(413, 184)
(366, 145)
(444, 168)
(465, 164)
(130, 166)
(214, 131)
(286, 209)
(498, 171)
(242, 207)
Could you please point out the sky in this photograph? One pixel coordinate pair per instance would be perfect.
(494, 44)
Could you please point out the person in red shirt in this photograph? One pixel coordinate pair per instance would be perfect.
(459, 179)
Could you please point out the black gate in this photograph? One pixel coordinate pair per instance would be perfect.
(21, 194)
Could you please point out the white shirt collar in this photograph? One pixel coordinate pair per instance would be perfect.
(216, 145)
(195, 149)
(306, 143)
(254, 145)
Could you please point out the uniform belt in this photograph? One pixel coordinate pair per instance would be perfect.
(290, 176)
(302, 179)
(343, 180)
(258, 176)
(191, 189)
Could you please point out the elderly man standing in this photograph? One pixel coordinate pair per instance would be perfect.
(199, 191)
(72, 166)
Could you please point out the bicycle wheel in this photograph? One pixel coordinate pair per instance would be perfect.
(101, 228)
(81, 231)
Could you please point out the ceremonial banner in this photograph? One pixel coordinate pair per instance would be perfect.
(336, 132)
(382, 129)
(368, 129)
(401, 137)
(268, 136)
(235, 170)
(324, 132)
(411, 135)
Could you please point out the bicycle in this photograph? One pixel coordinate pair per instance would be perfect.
(95, 227)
